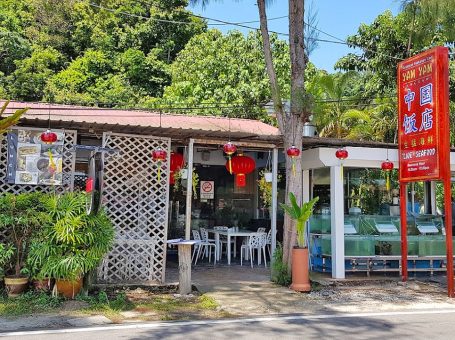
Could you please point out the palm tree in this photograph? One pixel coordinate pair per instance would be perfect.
(333, 114)
(11, 120)
(289, 122)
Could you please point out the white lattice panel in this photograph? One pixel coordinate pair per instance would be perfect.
(69, 161)
(136, 201)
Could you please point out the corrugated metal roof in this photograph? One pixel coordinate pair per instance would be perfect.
(143, 121)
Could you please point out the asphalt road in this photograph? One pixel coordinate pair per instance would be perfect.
(434, 324)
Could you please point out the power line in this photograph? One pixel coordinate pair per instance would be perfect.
(219, 23)
(242, 25)
(246, 22)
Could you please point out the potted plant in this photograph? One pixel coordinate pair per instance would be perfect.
(75, 242)
(40, 250)
(300, 270)
(21, 215)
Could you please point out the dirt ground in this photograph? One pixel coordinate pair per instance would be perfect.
(244, 291)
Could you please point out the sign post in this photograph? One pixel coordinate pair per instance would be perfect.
(423, 137)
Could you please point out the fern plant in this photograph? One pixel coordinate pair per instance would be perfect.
(73, 243)
(300, 214)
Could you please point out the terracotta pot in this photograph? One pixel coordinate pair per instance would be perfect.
(300, 270)
(42, 285)
(15, 285)
(69, 289)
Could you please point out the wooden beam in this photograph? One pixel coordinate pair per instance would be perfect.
(237, 143)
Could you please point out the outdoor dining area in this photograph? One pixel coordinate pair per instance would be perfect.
(213, 241)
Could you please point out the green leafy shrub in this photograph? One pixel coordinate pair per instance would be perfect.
(73, 243)
(6, 252)
(280, 272)
(21, 215)
(300, 214)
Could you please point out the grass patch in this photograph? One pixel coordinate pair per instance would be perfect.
(142, 305)
(28, 303)
(169, 307)
(110, 307)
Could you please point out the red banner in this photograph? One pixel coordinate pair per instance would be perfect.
(423, 116)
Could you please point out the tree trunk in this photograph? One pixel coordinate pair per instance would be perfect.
(275, 87)
(291, 123)
(298, 114)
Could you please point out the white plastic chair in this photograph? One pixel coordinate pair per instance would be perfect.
(256, 241)
(268, 243)
(223, 240)
(196, 237)
(207, 246)
(261, 230)
(205, 235)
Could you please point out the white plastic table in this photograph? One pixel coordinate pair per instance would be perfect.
(229, 234)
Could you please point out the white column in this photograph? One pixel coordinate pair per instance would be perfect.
(306, 195)
(274, 197)
(189, 190)
(337, 221)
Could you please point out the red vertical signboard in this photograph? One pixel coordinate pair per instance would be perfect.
(423, 134)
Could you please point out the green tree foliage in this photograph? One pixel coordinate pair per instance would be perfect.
(29, 79)
(420, 25)
(73, 51)
(386, 41)
(218, 69)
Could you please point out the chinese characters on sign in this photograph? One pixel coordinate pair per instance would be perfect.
(423, 116)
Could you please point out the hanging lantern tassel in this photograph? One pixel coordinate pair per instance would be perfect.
(229, 149)
(341, 154)
(230, 164)
(159, 155)
(387, 166)
(293, 152)
(52, 166)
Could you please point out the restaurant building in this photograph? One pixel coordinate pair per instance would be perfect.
(355, 227)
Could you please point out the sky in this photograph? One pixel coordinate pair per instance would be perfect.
(338, 18)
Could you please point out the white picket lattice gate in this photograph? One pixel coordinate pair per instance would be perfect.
(136, 199)
(68, 166)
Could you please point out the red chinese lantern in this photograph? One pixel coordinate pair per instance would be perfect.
(293, 152)
(342, 154)
(159, 155)
(229, 149)
(241, 166)
(48, 137)
(387, 166)
(177, 163)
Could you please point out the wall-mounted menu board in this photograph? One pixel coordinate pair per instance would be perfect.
(32, 162)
